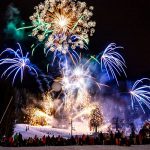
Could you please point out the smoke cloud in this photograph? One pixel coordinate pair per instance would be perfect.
(13, 21)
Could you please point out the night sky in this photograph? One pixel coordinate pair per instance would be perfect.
(125, 22)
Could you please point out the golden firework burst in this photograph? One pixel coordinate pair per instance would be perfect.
(63, 24)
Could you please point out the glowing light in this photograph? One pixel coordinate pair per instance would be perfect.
(78, 72)
(86, 111)
(141, 93)
(75, 78)
(76, 82)
(62, 23)
(113, 62)
(17, 64)
(44, 114)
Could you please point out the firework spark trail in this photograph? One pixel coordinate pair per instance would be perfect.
(41, 112)
(113, 62)
(75, 84)
(17, 64)
(37, 116)
(77, 78)
(141, 93)
(86, 111)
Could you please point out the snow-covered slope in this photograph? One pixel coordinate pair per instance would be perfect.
(40, 131)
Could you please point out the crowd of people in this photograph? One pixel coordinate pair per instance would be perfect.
(99, 138)
(111, 138)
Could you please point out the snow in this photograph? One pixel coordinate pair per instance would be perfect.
(40, 131)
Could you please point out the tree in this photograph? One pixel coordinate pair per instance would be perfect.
(96, 119)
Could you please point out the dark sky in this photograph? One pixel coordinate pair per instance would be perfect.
(125, 22)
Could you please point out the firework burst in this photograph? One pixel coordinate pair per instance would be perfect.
(78, 77)
(63, 25)
(76, 82)
(113, 62)
(140, 93)
(16, 64)
(40, 112)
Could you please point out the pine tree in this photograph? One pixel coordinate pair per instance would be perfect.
(96, 119)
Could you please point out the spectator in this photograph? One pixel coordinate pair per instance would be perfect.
(91, 140)
(111, 138)
(48, 140)
(122, 138)
(11, 141)
(44, 140)
(4, 141)
(101, 137)
(83, 138)
(77, 140)
(16, 136)
(20, 139)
